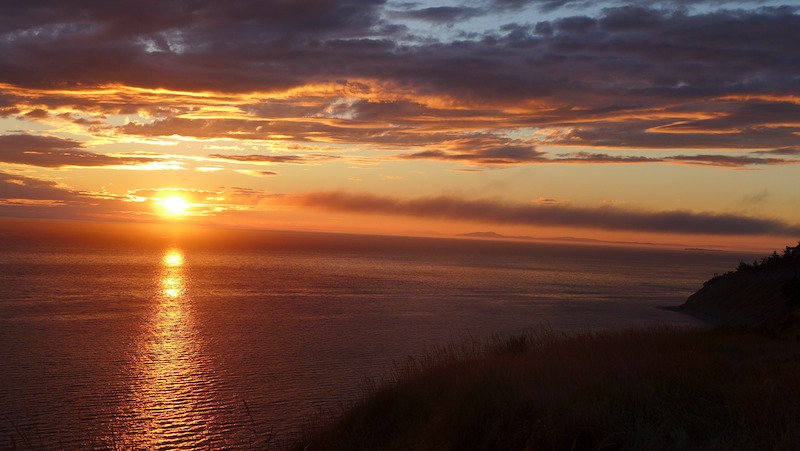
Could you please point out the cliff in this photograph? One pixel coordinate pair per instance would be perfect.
(763, 294)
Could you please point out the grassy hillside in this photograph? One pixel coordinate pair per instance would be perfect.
(658, 389)
(732, 388)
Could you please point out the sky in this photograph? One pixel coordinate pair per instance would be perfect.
(664, 122)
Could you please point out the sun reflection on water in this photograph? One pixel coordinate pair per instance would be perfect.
(173, 387)
(173, 287)
(173, 258)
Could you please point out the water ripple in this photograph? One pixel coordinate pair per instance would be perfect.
(175, 349)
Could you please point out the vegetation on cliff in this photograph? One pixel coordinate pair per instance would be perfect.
(763, 294)
(723, 389)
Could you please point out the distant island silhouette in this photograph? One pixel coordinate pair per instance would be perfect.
(489, 235)
(495, 235)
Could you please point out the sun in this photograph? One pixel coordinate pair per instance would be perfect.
(174, 205)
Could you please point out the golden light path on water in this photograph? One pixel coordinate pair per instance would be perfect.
(172, 400)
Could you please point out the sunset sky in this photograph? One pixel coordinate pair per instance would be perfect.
(672, 122)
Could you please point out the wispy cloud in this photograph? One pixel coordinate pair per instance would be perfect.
(790, 151)
(275, 159)
(257, 173)
(729, 161)
(716, 160)
(511, 155)
(438, 14)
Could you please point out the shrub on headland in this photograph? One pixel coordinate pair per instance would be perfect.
(764, 294)
(789, 259)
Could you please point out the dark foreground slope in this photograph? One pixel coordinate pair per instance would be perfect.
(763, 294)
(731, 388)
(657, 390)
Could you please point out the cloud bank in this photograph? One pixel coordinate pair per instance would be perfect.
(603, 218)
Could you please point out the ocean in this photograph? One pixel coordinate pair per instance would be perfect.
(236, 341)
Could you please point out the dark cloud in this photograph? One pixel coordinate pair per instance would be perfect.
(38, 113)
(307, 129)
(439, 14)
(729, 160)
(247, 45)
(53, 152)
(553, 5)
(6, 112)
(172, 42)
(29, 197)
(724, 161)
(480, 151)
(606, 218)
(263, 173)
(790, 151)
(631, 18)
(575, 25)
(18, 187)
(756, 198)
(740, 116)
(601, 158)
(642, 74)
(91, 20)
(511, 155)
(510, 4)
(681, 132)
(541, 5)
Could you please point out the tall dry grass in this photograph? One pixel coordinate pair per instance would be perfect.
(646, 389)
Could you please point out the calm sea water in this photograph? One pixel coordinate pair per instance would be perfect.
(233, 344)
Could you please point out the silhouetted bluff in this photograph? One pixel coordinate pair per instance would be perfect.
(763, 294)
